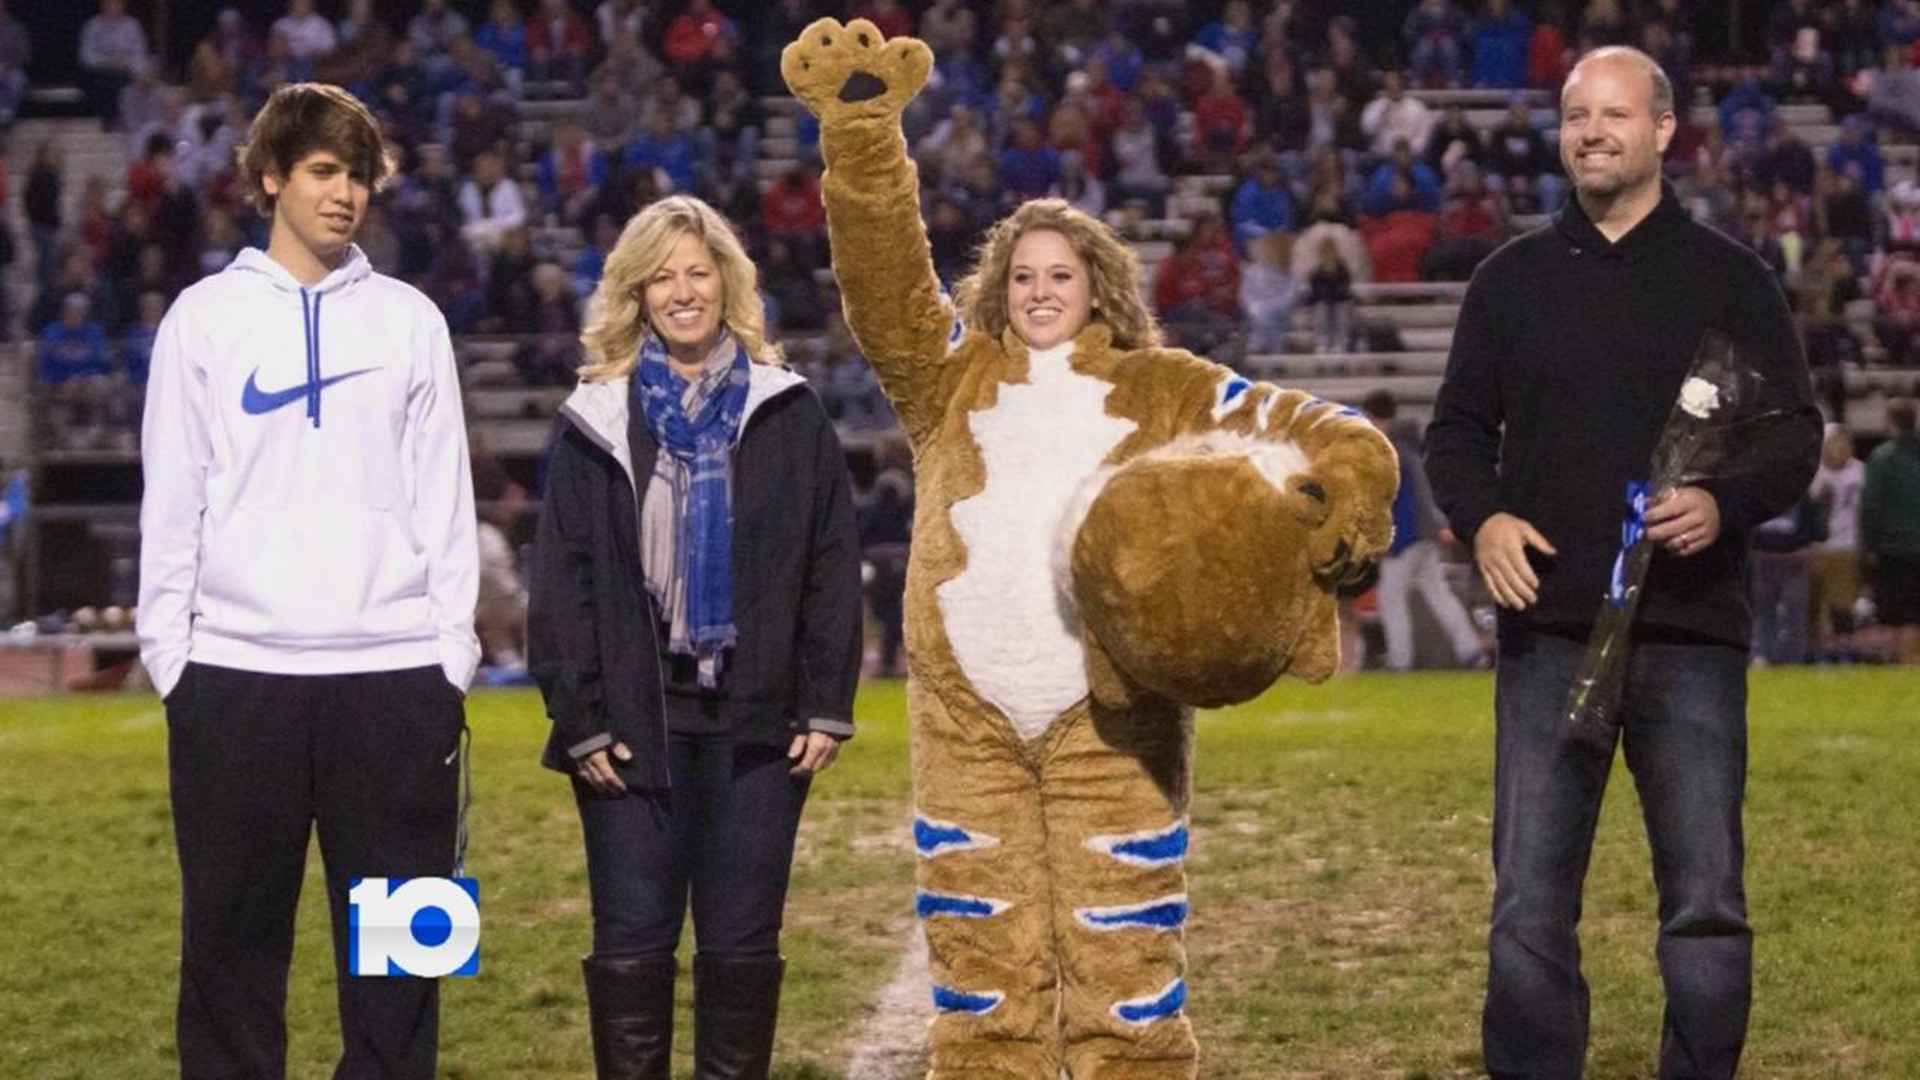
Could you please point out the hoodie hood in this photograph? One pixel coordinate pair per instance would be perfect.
(599, 409)
(352, 270)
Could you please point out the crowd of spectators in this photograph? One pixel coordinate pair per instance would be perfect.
(1320, 135)
(531, 130)
(1336, 171)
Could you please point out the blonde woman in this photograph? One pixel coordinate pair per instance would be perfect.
(695, 629)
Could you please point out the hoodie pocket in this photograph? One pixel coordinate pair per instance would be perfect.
(314, 572)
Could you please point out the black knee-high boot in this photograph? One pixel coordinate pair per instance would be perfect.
(736, 1004)
(630, 1006)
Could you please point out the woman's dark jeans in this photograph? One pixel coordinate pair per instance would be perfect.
(723, 833)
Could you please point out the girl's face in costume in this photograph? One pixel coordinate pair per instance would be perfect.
(1049, 293)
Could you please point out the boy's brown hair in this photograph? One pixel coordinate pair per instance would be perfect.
(302, 118)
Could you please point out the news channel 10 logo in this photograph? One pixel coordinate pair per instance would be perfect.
(427, 927)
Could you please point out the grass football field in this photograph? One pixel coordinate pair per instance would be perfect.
(1340, 882)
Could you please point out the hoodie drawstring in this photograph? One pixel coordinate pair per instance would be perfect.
(310, 324)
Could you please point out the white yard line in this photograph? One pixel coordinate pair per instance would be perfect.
(892, 1043)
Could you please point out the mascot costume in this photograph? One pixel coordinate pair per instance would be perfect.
(1103, 540)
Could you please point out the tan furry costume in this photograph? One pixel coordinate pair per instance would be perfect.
(1104, 538)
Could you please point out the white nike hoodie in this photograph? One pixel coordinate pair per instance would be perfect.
(309, 504)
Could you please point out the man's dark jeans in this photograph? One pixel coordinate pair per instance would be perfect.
(1685, 736)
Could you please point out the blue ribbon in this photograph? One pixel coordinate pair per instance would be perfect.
(1632, 531)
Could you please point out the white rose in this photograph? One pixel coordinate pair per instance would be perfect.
(1699, 397)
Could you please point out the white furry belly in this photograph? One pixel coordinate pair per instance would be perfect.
(1013, 631)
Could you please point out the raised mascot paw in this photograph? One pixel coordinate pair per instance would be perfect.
(850, 72)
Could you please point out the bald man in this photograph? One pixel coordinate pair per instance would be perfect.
(1572, 343)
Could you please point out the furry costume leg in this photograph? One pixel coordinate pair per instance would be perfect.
(1116, 789)
(984, 896)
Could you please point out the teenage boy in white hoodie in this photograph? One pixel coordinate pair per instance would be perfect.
(308, 575)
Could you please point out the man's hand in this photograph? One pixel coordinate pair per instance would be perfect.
(1686, 521)
(812, 752)
(597, 770)
(1500, 552)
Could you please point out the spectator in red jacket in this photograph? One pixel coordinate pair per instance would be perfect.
(1397, 239)
(1197, 289)
(1221, 121)
(558, 43)
(791, 210)
(147, 177)
(1202, 278)
(691, 36)
(1470, 227)
(1547, 52)
(889, 16)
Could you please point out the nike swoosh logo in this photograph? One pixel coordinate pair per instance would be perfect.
(258, 402)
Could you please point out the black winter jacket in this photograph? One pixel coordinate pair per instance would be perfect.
(1566, 362)
(593, 632)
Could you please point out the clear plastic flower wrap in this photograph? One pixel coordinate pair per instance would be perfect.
(1724, 424)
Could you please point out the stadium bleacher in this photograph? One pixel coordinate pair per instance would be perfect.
(1413, 319)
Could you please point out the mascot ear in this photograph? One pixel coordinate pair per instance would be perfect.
(1316, 652)
(1108, 686)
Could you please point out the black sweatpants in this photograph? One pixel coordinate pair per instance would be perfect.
(255, 762)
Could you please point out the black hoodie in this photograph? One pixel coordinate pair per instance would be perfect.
(1569, 353)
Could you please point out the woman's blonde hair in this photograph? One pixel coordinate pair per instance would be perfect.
(617, 314)
(1113, 272)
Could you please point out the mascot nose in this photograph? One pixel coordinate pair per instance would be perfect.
(861, 86)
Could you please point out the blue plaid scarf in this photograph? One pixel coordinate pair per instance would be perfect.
(703, 548)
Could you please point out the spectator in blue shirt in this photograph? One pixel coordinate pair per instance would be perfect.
(76, 370)
(570, 172)
(1900, 23)
(1500, 39)
(1233, 37)
(1261, 205)
(1858, 152)
(74, 347)
(662, 147)
(136, 342)
(504, 34)
(960, 80)
(592, 260)
(1028, 168)
(1423, 180)
(1123, 60)
(1746, 111)
(1435, 32)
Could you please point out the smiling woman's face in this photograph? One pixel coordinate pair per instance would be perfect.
(1049, 292)
(685, 300)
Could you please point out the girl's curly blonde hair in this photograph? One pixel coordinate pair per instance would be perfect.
(1113, 271)
(617, 314)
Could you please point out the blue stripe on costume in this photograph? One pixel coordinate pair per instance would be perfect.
(1145, 1010)
(959, 328)
(1229, 395)
(1157, 848)
(1167, 913)
(931, 904)
(947, 999)
(932, 837)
